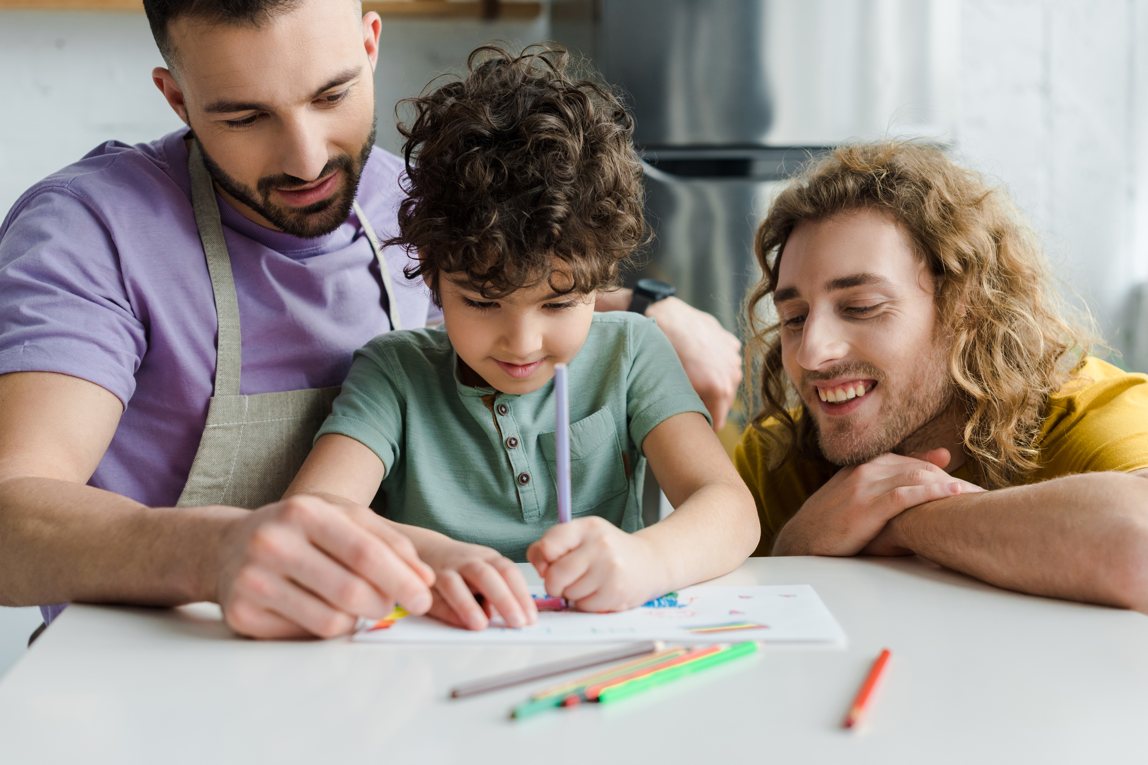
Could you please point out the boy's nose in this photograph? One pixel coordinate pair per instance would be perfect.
(523, 340)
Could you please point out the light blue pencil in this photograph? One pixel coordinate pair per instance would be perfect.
(562, 440)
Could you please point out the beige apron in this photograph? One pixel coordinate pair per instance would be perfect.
(252, 446)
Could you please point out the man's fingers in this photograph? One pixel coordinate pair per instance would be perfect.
(290, 556)
(400, 543)
(251, 621)
(368, 555)
(718, 403)
(939, 457)
(260, 595)
(903, 497)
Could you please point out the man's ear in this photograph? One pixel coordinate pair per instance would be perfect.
(372, 25)
(172, 93)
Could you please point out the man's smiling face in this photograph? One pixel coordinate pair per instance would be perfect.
(859, 334)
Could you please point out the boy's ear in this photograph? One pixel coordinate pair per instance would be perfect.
(431, 281)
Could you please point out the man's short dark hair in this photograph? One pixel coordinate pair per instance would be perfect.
(514, 165)
(161, 13)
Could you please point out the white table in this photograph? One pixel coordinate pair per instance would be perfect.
(978, 675)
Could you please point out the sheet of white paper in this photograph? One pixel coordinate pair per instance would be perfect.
(777, 613)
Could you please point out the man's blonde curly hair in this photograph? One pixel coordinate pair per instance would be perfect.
(1012, 345)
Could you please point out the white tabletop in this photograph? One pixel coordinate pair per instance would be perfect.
(978, 675)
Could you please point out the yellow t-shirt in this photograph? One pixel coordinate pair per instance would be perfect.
(1097, 421)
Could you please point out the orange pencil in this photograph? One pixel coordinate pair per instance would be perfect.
(861, 701)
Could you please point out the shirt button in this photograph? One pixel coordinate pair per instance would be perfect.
(512, 442)
(502, 409)
(523, 478)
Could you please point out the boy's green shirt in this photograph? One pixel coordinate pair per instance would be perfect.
(478, 465)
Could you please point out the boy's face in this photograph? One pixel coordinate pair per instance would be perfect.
(512, 344)
(284, 111)
(858, 335)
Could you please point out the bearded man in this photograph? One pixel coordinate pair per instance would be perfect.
(179, 314)
(922, 391)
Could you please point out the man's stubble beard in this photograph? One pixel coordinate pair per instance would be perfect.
(897, 424)
(309, 222)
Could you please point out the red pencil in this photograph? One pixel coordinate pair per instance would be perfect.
(861, 701)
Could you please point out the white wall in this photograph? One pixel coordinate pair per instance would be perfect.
(1054, 100)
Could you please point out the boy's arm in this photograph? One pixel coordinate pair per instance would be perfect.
(714, 526)
(345, 472)
(1080, 537)
(710, 355)
(713, 529)
(62, 541)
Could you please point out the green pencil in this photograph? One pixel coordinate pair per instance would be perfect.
(625, 690)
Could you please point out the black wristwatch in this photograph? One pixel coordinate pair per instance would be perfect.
(648, 291)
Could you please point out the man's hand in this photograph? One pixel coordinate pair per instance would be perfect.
(305, 567)
(849, 512)
(596, 565)
(472, 582)
(710, 355)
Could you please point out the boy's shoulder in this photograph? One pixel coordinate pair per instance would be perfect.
(430, 343)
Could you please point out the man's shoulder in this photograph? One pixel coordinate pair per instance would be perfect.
(381, 181)
(767, 443)
(113, 176)
(121, 170)
(1098, 383)
(1096, 422)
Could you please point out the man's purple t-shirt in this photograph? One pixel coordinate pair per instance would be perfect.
(103, 278)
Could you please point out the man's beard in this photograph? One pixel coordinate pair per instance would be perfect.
(315, 220)
(897, 422)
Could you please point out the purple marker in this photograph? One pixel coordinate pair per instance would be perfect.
(562, 440)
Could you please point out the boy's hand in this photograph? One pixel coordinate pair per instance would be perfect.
(597, 566)
(466, 574)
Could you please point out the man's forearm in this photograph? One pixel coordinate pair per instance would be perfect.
(62, 542)
(1081, 537)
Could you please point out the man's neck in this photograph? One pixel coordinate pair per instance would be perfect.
(946, 430)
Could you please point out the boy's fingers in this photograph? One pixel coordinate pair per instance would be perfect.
(564, 573)
(489, 581)
(457, 595)
(518, 588)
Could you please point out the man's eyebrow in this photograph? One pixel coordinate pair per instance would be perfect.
(786, 294)
(224, 106)
(854, 280)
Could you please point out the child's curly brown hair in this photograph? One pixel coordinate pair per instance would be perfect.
(517, 164)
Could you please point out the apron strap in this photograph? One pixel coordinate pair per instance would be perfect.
(388, 285)
(228, 362)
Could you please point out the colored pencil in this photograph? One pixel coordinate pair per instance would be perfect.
(592, 692)
(651, 659)
(552, 698)
(562, 441)
(861, 701)
(553, 668)
(668, 675)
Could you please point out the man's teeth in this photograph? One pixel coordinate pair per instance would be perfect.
(842, 393)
